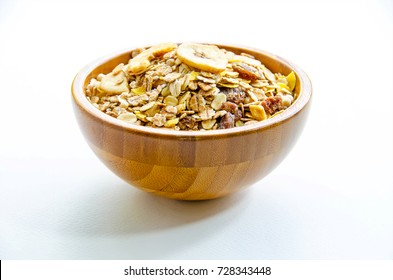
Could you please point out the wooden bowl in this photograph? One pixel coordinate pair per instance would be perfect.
(191, 165)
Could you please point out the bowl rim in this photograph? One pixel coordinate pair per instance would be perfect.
(305, 93)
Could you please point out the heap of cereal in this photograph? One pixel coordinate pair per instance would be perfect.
(191, 87)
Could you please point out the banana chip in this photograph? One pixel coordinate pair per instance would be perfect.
(204, 57)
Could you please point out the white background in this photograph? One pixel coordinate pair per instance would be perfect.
(332, 198)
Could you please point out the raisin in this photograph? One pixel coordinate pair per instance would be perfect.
(272, 104)
(233, 109)
(229, 107)
(235, 95)
(238, 115)
(227, 121)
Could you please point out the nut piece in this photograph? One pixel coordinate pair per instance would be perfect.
(287, 100)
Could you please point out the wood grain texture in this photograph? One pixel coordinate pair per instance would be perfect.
(191, 165)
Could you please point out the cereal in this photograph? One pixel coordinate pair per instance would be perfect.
(127, 117)
(219, 99)
(191, 87)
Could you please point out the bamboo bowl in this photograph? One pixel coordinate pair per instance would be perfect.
(191, 165)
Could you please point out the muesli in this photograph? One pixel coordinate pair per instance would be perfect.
(191, 87)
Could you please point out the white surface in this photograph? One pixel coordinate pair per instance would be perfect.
(332, 198)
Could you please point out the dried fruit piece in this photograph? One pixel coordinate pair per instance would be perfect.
(204, 57)
(272, 104)
(141, 62)
(258, 112)
(227, 121)
(229, 107)
(235, 95)
(291, 78)
(139, 90)
(283, 87)
(233, 109)
(114, 83)
(171, 123)
(140, 116)
(246, 71)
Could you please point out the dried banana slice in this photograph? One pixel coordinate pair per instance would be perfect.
(114, 83)
(141, 62)
(204, 57)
